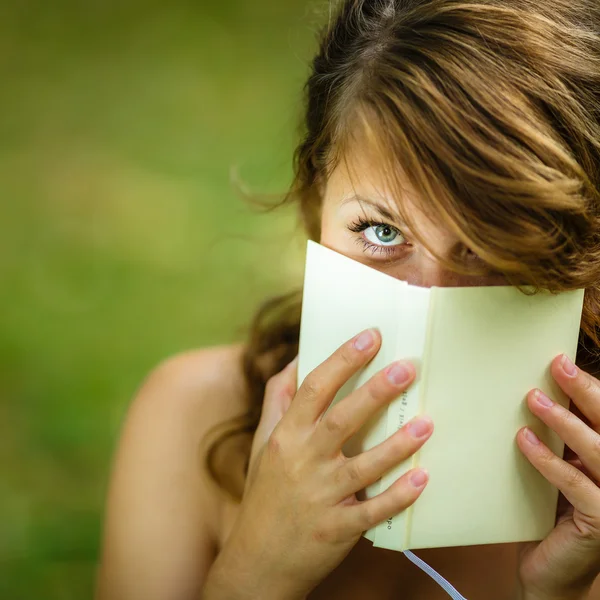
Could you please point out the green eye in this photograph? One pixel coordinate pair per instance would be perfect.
(384, 234)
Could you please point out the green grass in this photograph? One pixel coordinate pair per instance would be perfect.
(122, 240)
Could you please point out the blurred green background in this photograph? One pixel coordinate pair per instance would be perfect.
(122, 238)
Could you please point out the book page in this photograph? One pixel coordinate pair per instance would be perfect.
(341, 298)
(488, 348)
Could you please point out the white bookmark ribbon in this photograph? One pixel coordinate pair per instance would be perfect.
(451, 591)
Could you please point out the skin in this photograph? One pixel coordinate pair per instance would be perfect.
(404, 258)
(170, 533)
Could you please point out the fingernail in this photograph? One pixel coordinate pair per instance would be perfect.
(531, 437)
(419, 427)
(294, 363)
(418, 478)
(398, 373)
(542, 399)
(365, 340)
(567, 366)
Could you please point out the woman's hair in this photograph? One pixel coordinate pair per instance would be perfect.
(490, 111)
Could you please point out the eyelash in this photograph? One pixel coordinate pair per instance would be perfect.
(361, 224)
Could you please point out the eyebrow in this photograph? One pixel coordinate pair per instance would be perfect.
(384, 212)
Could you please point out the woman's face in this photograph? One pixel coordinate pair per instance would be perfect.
(367, 231)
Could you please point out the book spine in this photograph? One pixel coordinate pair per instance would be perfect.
(413, 305)
(422, 404)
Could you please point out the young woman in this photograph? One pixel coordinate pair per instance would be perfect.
(448, 143)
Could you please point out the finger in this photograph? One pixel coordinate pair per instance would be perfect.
(364, 469)
(574, 485)
(583, 440)
(581, 387)
(322, 384)
(398, 497)
(279, 392)
(344, 419)
(579, 465)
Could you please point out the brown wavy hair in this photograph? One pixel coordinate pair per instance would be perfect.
(490, 110)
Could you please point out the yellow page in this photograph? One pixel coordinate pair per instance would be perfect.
(412, 318)
(484, 348)
(488, 347)
(341, 298)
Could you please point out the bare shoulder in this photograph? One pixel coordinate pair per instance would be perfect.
(164, 515)
(184, 398)
(192, 393)
(206, 382)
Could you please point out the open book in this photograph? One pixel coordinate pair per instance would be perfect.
(477, 351)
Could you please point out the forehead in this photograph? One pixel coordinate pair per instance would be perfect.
(359, 173)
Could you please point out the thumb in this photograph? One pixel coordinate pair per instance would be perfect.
(279, 392)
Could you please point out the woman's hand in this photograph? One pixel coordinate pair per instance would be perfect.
(299, 516)
(565, 564)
